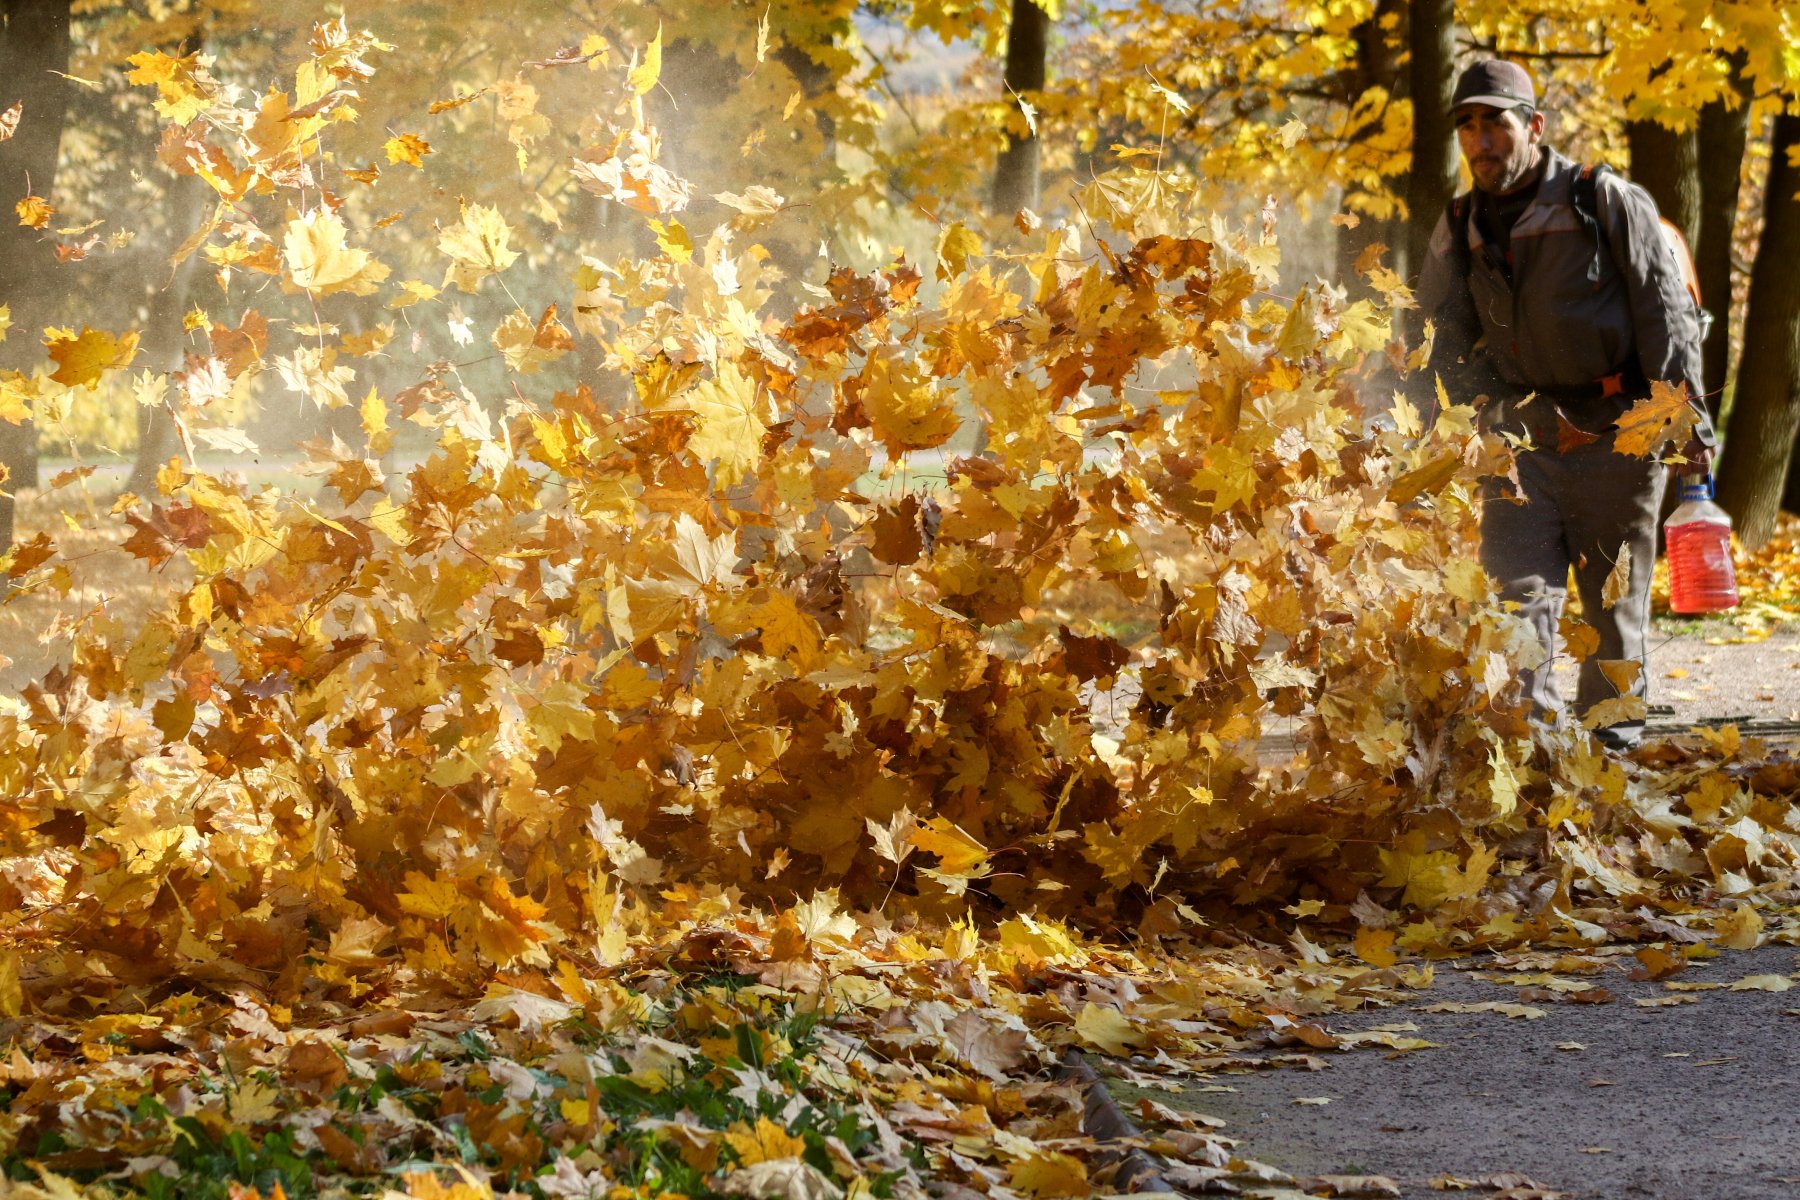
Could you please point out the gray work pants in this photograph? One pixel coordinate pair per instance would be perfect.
(1577, 509)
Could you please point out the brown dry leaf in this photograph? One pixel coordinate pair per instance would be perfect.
(1618, 580)
(1351, 1185)
(779, 1179)
(1516, 1011)
(1570, 437)
(1593, 995)
(986, 1044)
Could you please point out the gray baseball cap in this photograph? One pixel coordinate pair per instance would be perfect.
(1496, 83)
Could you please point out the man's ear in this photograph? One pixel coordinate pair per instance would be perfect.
(1537, 126)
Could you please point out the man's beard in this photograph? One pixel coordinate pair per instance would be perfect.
(1509, 179)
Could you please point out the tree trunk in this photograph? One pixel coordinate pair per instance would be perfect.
(1765, 416)
(1378, 64)
(165, 336)
(1666, 163)
(1430, 80)
(34, 52)
(1724, 133)
(1027, 48)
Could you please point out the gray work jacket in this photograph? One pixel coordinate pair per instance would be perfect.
(1549, 326)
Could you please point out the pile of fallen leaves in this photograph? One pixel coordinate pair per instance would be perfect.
(621, 799)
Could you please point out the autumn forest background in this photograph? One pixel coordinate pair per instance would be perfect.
(621, 599)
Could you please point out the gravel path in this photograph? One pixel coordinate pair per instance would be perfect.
(1700, 676)
(1610, 1101)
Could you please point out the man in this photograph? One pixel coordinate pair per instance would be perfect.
(1550, 312)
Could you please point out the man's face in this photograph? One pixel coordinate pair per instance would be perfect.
(1501, 149)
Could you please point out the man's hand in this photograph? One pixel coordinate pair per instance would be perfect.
(1699, 459)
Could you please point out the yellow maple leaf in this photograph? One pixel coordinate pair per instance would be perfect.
(731, 425)
(153, 66)
(178, 95)
(529, 346)
(426, 1185)
(34, 212)
(82, 358)
(1376, 947)
(1615, 710)
(407, 148)
(1050, 1173)
(1659, 419)
(17, 391)
(788, 633)
(645, 74)
(478, 246)
(907, 408)
(958, 853)
(1108, 1030)
(1739, 929)
(430, 898)
(764, 1142)
(1426, 876)
(12, 993)
(319, 261)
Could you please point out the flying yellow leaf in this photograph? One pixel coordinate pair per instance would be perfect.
(477, 245)
(649, 70)
(958, 853)
(407, 148)
(907, 408)
(788, 633)
(319, 261)
(1615, 710)
(529, 346)
(731, 423)
(17, 391)
(82, 358)
(35, 212)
